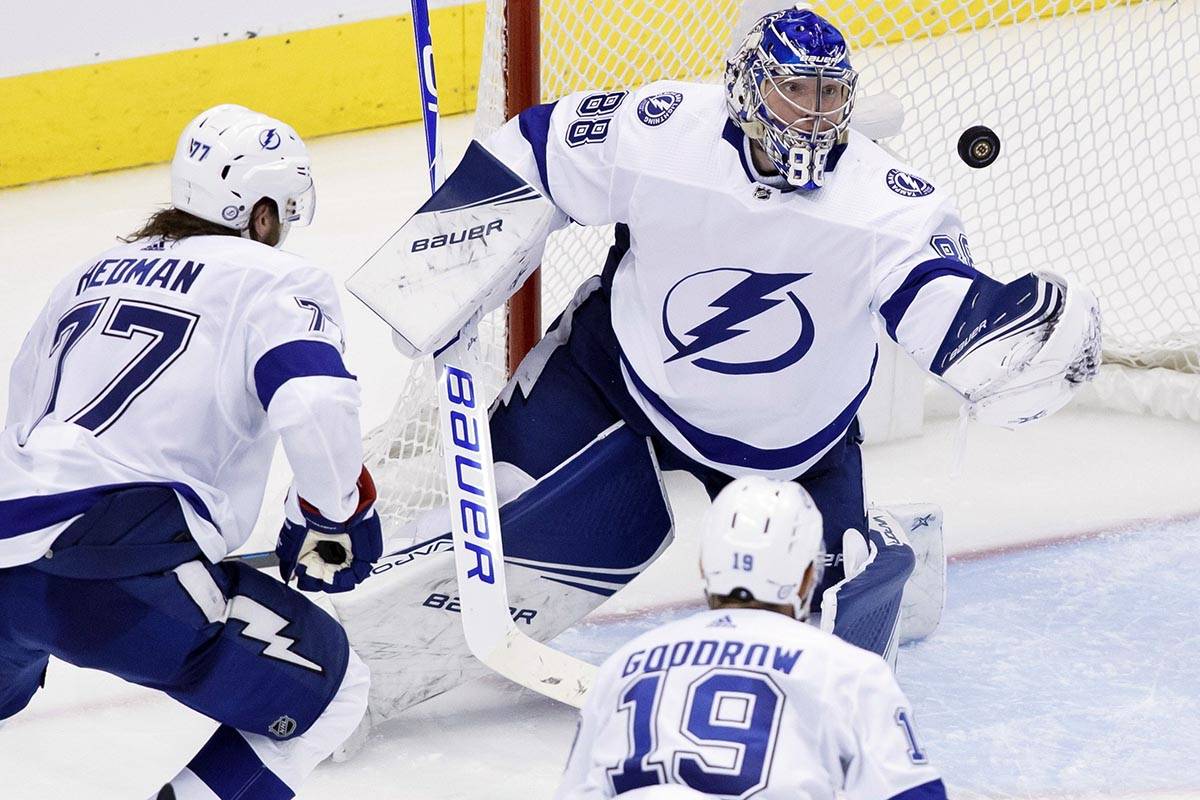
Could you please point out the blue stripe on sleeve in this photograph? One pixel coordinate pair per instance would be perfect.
(897, 305)
(934, 790)
(228, 765)
(535, 127)
(298, 359)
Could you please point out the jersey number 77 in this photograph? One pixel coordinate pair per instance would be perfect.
(164, 333)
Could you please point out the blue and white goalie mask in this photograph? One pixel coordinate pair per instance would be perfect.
(790, 87)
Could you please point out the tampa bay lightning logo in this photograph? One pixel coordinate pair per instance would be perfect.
(269, 139)
(658, 108)
(772, 327)
(908, 185)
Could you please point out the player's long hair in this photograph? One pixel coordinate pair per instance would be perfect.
(173, 224)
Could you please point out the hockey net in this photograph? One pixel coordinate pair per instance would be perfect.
(1095, 104)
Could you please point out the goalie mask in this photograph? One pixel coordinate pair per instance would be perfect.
(790, 87)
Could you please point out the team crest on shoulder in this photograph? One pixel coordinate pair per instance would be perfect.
(907, 184)
(658, 108)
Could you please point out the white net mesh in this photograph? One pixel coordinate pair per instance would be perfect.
(1096, 107)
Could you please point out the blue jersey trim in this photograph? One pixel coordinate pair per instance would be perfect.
(29, 514)
(534, 123)
(735, 453)
(734, 135)
(228, 765)
(934, 790)
(922, 275)
(299, 359)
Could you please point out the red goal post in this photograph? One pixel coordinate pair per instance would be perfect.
(522, 89)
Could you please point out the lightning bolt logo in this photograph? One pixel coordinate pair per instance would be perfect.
(264, 625)
(746, 300)
(269, 139)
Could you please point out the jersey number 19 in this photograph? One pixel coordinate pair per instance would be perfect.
(731, 716)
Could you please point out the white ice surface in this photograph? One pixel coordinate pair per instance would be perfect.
(89, 735)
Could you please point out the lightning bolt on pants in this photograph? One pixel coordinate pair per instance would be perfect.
(125, 591)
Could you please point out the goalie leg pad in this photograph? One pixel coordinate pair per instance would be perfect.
(836, 486)
(864, 608)
(925, 593)
(583, 530)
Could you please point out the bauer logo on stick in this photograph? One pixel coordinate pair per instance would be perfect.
(468, 471)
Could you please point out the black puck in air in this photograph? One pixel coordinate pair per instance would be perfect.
(978, 146)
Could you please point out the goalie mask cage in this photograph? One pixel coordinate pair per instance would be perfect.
(1095, 104)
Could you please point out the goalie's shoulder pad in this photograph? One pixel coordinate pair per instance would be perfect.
(1029, 367)
(469, 247)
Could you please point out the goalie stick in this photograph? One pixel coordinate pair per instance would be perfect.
(488, 627)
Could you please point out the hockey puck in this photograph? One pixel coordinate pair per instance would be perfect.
(978, 146)
(331, 552)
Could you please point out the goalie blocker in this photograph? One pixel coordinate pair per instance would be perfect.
(464, 252)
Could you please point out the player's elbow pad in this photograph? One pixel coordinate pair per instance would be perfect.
(1018, 367)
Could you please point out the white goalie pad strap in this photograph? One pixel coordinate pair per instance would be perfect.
(925, 593)
(464, 252)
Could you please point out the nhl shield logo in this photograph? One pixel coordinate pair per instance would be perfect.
(283, 727)
(658, 108)
(907, 185)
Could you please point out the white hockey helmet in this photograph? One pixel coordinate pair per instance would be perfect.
(229, 157)
(759, 537)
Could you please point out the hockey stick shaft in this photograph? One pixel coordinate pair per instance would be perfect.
(429, 96)
(478, 544)
(488, 628)
(261, 560)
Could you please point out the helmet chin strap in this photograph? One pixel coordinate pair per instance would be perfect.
(284, 229)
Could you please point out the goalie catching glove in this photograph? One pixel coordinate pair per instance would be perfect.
(328, 556)
(1029, 348)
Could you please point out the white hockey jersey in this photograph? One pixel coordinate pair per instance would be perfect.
(179, 364)
(741, 702)
(746, 314)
